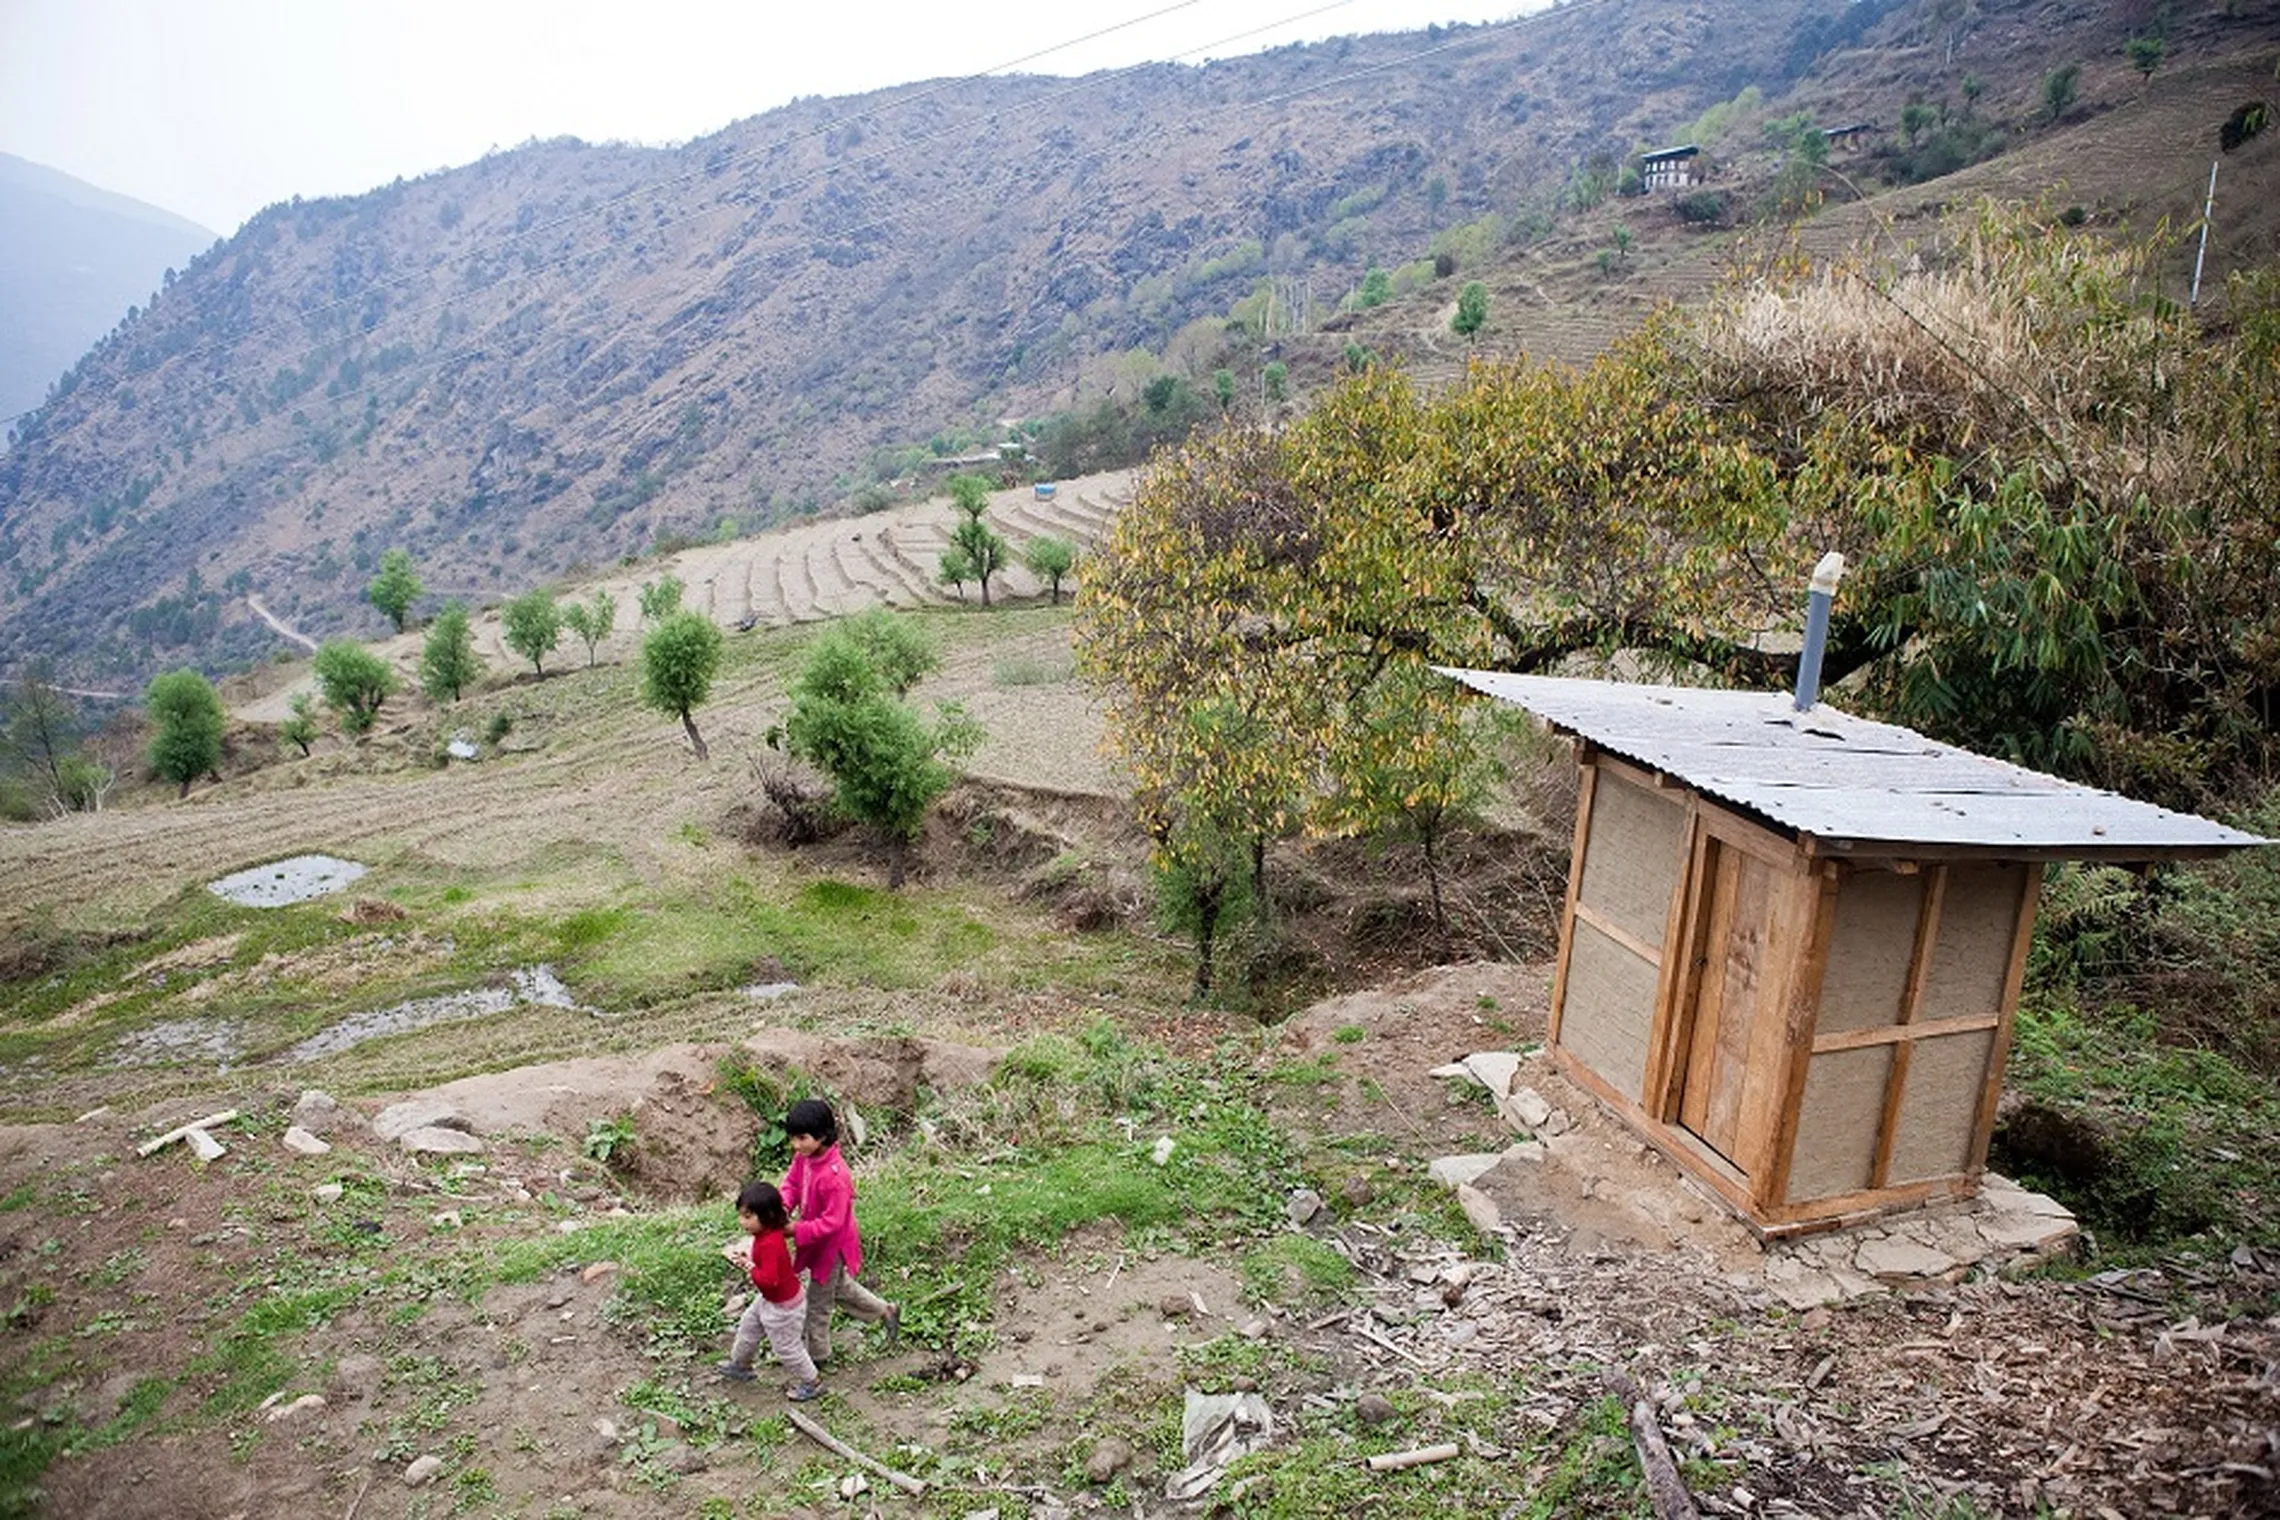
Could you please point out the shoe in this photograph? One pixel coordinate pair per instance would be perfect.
(801, 1393)
(734, 1372)
(894, 1326)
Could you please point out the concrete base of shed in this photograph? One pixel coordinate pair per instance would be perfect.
(1579, 1170)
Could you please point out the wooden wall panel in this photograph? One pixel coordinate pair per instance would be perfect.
(1838, 1122)
(1869, 949)
(1971, 960)
(1939, 1111)
(1634, 853)
(1609, 1009)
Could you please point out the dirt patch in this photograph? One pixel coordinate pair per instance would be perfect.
(693, 1138)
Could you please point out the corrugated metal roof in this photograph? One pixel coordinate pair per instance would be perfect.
(1850, 781)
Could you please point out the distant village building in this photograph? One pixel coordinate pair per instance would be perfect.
(1669, 168)
(1854, 136)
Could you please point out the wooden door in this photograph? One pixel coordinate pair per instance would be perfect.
(1729, 996)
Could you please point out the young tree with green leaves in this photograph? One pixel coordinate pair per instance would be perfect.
(985, 552)
(660, 598)
(300, 726)
(186, 717)
(897, 647)
(679, 659)
(591, 620)
(1274, 383)
(1223, 388)
(1050, 559)
(395, 588)
(354, 682)
(886, 763)
(954, 570)
(448, 662)
(2145, 54)
(1377, 287)
(2059, 89)
(532, 626)
(1472, 310)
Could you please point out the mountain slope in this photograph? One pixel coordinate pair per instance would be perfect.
(561, 355)
(73, 258)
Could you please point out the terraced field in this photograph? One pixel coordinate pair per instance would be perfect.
(803, 574)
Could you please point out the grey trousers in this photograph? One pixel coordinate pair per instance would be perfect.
(782, 1326)
(848, 1294)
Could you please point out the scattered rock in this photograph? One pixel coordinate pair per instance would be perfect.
(1174, 1306)
(400, 1119)
(1529, 1110)
(854, 1486)
(1458, 1171)
(307, 1403)
(1357, 1192)
(682, 1458)
(1375, 1409)
(318, 1113)
(1164, 1147)
(434, 1140)
(1480, 1209)
(1253, 1329)
(304, 1143)
(1494, 1070)
(1246, 1384)
(1894, 1256)
(422, 1469)
(1108, 1458)
(449, 1219)
(1304, 1207)
(595, 1271)
(327, 1192)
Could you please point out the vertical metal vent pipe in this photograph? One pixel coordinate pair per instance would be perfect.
(1826, 574)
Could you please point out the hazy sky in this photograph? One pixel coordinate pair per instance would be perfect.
(213, 109)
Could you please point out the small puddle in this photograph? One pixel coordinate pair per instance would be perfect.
(286, 881)
(537, 985)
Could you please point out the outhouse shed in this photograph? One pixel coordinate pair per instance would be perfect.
(1793, 941)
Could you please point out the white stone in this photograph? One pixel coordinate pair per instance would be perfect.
(1479, 1208)
(1453, 1070)
(305, 1404)
(2026, 1232)
(299, 1139)
(1165, 1145)
(1529, 1107)
(1892, 1256)
(1460, 1171)
(327, 1192)
(1494, 1069)
(422, 1469)
(207, 1147)
(431, 1140)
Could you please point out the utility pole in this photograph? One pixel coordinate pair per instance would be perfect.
(2208, 209)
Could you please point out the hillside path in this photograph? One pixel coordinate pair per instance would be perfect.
(284, 629)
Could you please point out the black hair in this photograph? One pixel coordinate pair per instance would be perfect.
(764, 1203)
(812, 1116)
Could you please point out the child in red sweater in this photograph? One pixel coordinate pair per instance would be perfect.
(779, 1303)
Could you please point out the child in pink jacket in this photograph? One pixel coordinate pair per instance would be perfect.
(826, 1245)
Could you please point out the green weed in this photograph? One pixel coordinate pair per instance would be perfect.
(1296, 1269)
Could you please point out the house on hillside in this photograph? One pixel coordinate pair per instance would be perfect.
(1793, 940)
(1670, 168)
(1849, 138)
